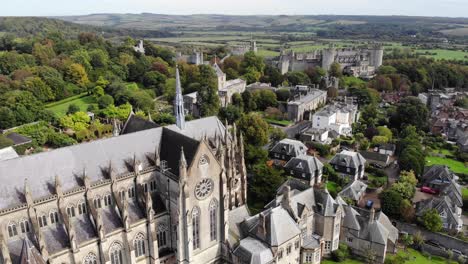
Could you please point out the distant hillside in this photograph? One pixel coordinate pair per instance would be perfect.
(27, 26)
(369, 26)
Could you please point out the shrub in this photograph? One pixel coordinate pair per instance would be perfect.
(341, 254)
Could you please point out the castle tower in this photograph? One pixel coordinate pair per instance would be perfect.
(376, 53)
(328, 57)
(179, 110)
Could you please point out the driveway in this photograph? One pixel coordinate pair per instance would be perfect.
(393, 173)
(296, 129)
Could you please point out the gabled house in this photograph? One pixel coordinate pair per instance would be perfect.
(437, 177)
(449, 212)
(376, 158)
(387, 149)
(354, 191)
(287, 149)
(364, 230)
(306, 168)
(350, 164)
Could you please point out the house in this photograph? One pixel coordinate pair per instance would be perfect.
(349, 163)
(449, 212)
(462, 143)
(306, 168)
(364, 230)
(376, 158)
(437, 177)
(337, 117)
(191, 104)
(226, 89)
(302, 106)
(287, 149)
(387, 149)
(320, 135)
(354, 191)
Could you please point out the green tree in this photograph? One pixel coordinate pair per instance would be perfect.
(283, 94)
(410, 111)
(252, 60)
(407, 241)
(379, 140)
(407, 210)
(38, 88)
(7, 118)
(385, 132)
(208, 93)
(297, 78)
(431, 220)
(73, 108)
(335, 70)
(249, 102)
(76, 74)
(255, 129)
(315, 74)
(264, 99)
(99, 58)
(105, 101)
(272, 75)
(230, 113)
(265, 181)
(43, 53)
(391, 200)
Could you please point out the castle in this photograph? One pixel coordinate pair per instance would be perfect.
(360, 62)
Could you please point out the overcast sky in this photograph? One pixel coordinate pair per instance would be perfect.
(452, 8)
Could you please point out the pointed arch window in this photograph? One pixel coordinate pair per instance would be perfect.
(53, 217)
(214, 220)
(82, 208)
(24, 224)
(139, 244)
(71, 210)
(12, 231)
(107, 200)
(116, 254)
(97, 202)
(196, 227)
(131, 192)
(42, 220)
(123, 195)
(90, 259)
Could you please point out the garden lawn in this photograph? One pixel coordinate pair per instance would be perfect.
(60, 108)
(454, 165)
(348, 261)
(416, 257)
(278, 122)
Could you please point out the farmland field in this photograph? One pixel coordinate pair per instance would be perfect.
(446, 54)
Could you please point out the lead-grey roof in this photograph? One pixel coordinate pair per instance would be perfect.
(8, 153)
(253, 251)
(290, 147)
(349, 159)
(135, 123)
(359, 223)
(236, 217)
(70, 162)
(354, 190)
(305, 164)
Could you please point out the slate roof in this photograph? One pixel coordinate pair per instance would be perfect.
(253, 251)
(437, 174)
(354, 190)
(29, 254)
(135, 123)
(377, 230)
(69, 163)
(290, 147)
(375, 156)
(171, 145)
(349, 159)
(280, 227)
(236, 217)
(56, 238)
(304, 163)
(441, 204)
(18, 139)
(311, 242)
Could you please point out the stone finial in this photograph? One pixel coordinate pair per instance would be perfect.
(58, 186)
(179, 109)
(86, 180)
(125, 217)
(157, 159)
(27, 192)
(182, 160)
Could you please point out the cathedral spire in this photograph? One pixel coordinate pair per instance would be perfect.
(179, 110)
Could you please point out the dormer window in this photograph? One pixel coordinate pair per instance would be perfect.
(299, 165)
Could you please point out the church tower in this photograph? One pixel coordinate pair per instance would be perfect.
(179, 110)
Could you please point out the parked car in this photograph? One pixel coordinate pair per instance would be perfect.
(369, 204)
(429, 190)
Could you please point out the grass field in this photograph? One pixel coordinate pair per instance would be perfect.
(278, 122)
(415, 257)
(455, 165)
(348, 261)
(60, 108)
(446, 54)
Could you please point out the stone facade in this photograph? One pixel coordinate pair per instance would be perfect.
(360, 62)
(302, 107)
